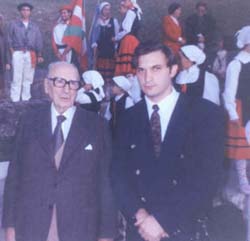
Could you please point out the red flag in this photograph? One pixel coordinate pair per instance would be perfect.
(75, 33)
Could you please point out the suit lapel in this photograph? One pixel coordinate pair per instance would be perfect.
(145, 131)
(78, 136)
(44, 130)
(176, 128)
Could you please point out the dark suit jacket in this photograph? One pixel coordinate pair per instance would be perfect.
(80, 188)
(179, 186)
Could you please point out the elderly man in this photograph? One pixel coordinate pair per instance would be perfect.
(57, 188)
(25, 43)
(168, 154)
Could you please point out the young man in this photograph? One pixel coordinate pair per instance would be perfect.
(62, 51)
(168, 154)
(25, 42)
(57, 188)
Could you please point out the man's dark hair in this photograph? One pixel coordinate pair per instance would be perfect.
(22, 5)
(200, 4)
(151, 46)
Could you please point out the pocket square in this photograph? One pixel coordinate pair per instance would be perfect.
(89, 147)
(133, 146)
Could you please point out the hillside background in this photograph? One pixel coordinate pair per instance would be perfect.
(229, 14)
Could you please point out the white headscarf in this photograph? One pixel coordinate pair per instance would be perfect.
(139, 10)
(123, 82)
(102, 5)
(243, 37)
(94, 78)
(194, 54)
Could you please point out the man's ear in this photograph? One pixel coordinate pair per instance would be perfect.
(173, 70)
(46, 86)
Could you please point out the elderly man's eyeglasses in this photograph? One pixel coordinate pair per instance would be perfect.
(61, 83)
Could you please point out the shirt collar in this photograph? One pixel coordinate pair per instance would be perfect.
(174, 19)
(69, 113)
(163, 104)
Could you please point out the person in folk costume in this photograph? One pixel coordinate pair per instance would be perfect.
(172, 30)
(127, 37)
(237, 103)
(91, 94)
(193, 79)
(62, 51)
(120, 101)
(104, 28)
(25, 44)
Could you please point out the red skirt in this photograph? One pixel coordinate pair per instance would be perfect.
(123, 64)
(237, 146)
(106, 67)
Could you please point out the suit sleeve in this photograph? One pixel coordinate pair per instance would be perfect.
(108, 209)
(11, 184)
(123, 187)
(192, 199)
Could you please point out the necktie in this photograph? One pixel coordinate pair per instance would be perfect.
(156, 130)
(58, 134)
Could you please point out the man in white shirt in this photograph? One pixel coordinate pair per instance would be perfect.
(61, 50)
(168, 153)
(57, 188)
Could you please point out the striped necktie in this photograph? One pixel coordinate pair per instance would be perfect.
(58, 134)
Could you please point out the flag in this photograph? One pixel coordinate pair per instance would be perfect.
(75, 33)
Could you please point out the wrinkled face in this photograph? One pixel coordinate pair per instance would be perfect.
(65, 15)
(185, 62)
(25, 12)
(106, 11)
(201, 11)
(63, 97)
(154, 76)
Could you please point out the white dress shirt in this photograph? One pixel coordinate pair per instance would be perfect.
(231, 83)
(211, 84)
(58, 34)
(166, 108)
(68, 114)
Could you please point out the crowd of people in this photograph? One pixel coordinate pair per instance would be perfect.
(177, 109)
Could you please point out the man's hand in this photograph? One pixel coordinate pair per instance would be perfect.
(150, 229)
(10, 234)
(140, 216)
